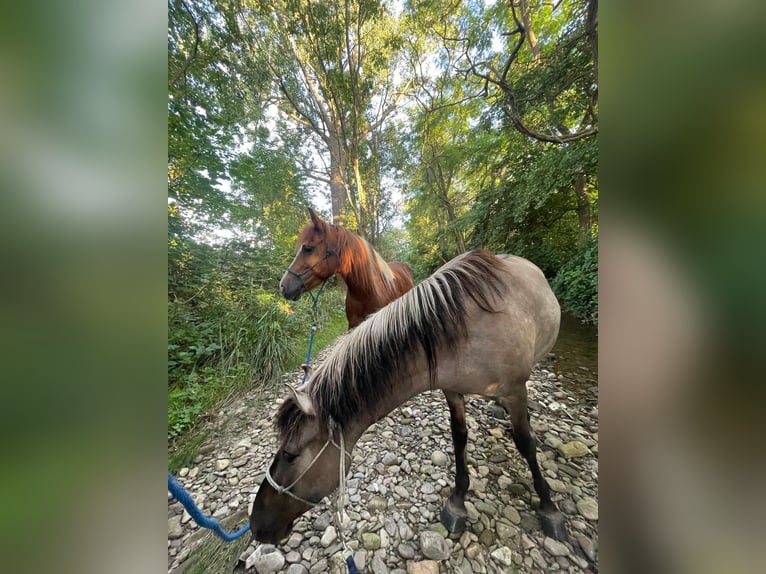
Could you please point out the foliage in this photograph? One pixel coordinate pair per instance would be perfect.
(576, 284)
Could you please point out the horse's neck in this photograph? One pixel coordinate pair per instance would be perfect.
(366, 274)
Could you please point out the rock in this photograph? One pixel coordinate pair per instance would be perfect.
(496, 432)
(371, 541)
(378, 566)
(505, 531)
(440, 528)
(433, 545)
(556, 485)
(473, 514)
(297, 569)
(322, 521)
(512, 514)
(487, 538)
(573, 449)
(329, 536)
(555, 547)
(518, 489)
(266, 559)
(439, 458)
(360, 559)
(183, 472)
(222, 464)
(377, 504)
(406, 551)
(503, 555)
(295, 540)
(292, 557)
(423, 567)
(175, 530)
(319, 567)
(473, 551)
(588, 508)
(485, 508)
(587, 546)
(390, 459)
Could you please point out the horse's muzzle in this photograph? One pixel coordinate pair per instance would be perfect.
(267, 536)
(291, 294)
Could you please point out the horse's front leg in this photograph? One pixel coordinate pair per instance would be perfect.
(453, 514)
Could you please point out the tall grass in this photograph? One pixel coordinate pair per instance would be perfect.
(228, 341)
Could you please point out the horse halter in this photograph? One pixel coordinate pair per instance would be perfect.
(342, 468)
(330, 251)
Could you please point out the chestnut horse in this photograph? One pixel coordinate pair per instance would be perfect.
(324, 250)
(476, 326)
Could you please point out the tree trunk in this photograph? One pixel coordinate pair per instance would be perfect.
(583, 208)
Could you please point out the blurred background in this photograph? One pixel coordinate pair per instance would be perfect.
(84, 308)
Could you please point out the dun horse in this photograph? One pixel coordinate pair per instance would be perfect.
(325, 250)
(478, 325)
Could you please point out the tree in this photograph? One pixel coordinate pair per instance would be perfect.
(335, 73)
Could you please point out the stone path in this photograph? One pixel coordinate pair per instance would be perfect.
(403, 468)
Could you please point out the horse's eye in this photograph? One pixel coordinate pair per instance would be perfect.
(289, 457)
(308, 249)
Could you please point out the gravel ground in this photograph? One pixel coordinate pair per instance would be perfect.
(403, 469)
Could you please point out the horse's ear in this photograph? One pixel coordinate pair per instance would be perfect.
(318, 223)
(302, 400)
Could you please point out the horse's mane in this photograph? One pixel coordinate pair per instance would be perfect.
(357, 375)
(359, 261)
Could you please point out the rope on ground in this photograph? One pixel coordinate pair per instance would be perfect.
(187, 502)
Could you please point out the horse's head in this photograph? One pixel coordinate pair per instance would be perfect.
(315, 261)
(303, 472)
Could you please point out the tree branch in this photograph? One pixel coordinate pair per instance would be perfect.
(187, 62)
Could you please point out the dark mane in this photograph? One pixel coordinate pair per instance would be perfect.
(357, 375)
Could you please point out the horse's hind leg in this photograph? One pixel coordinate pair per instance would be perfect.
(453, 514)
(551, 519)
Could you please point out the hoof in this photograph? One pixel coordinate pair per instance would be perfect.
(453, 518)
(552, 522)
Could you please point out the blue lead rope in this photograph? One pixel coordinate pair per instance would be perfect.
(185, 499)
(315, 298)
(351, 565)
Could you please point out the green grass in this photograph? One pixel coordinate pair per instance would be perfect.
(215, 385)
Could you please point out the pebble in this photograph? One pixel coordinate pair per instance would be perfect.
(555, 547)
(378, 566)
(400, 474)
(433, 545)
(573, 449)
(175, 530)
(328, 537)
(587, 546)
(439, 458)
(377, 504)
(266, 559)
(588, 508)
(503, 555)
(371, 540)
(423, 567)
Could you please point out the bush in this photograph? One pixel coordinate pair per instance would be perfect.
(576, 284)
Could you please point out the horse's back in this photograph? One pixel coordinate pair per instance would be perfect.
(531, 301)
